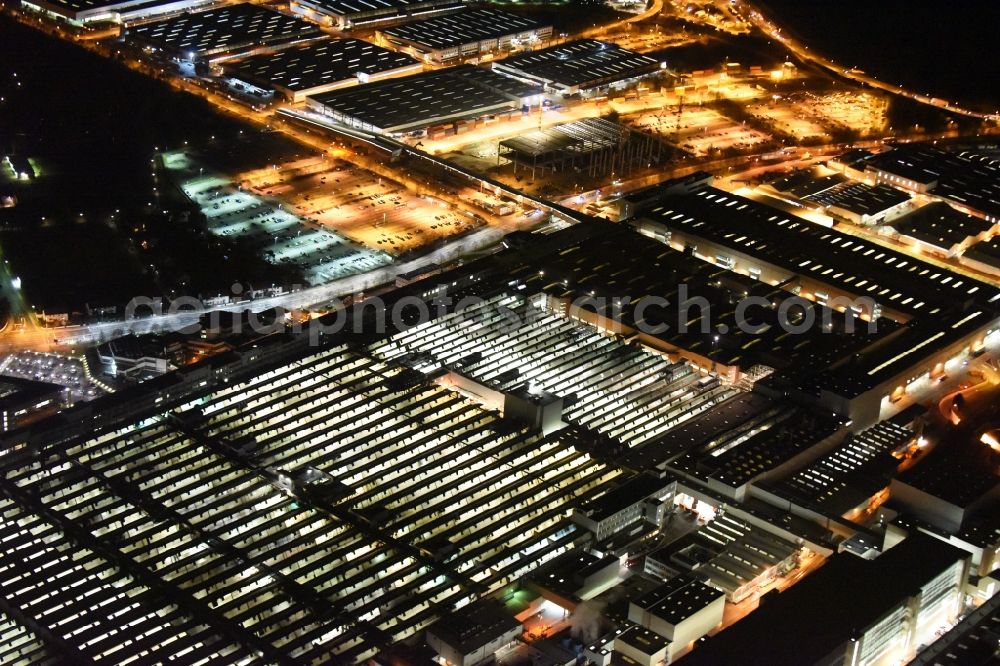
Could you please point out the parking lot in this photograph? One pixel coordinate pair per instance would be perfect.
(645, 38)
(698, 131)
(806, 114)
(275, 230)
(58, 369)
(715, 86)
(352, 202)
(863, 112)
(787, 118)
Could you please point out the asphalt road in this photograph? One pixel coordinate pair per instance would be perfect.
(774, 31)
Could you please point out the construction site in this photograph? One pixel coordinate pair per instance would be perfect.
(593, 147)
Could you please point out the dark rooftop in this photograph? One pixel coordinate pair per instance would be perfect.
(568, 572)
(940, 225)
(803, 184)
(625, 494)
(223, 30)
(423, 99)
(894, 355)
(915, 166)
(319, 63)
(987, 252)
(498, 82)
(16, 390)
(734, 463)
(850, 474)
(584, 63)
(960, 469)
(80, 6)
(857, 198)
(134, 347)
(855, 158)
(623, 263)
(845, 596)
(451, 30)
(699, 430)
(474, 626)
(679, 598)
(646, 641)
(983, 533)
(964, 178)
(853, 264)
(376, 7)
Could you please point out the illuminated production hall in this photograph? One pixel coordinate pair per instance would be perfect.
(551, 359)
(271, 534)
(331, 494)
(317, 67)
(347, 14)
(947, 317)
(220, 33)
(84, 13)
(316, 504)
(499, 333)
(472, 33)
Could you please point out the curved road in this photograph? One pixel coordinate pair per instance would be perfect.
(47, 339)
(654, 8)
(773, 31)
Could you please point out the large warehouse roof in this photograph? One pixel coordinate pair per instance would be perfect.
(622, 264)
(223, 30)
(100, 10)
(859, 198)
(320, 63)
(376, 7)
(583, 63)
(853, 264)
(967, 179)
(77, 6)
(940, 225)
(844, 598)
(423, 99)
(84, 5)
(346, 7)
(497, 82)
(403, 452)
(453, 30)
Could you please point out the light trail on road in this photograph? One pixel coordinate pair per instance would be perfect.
(50, 339)
(772, 30)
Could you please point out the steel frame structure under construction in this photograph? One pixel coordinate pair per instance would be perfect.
(596, 145)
